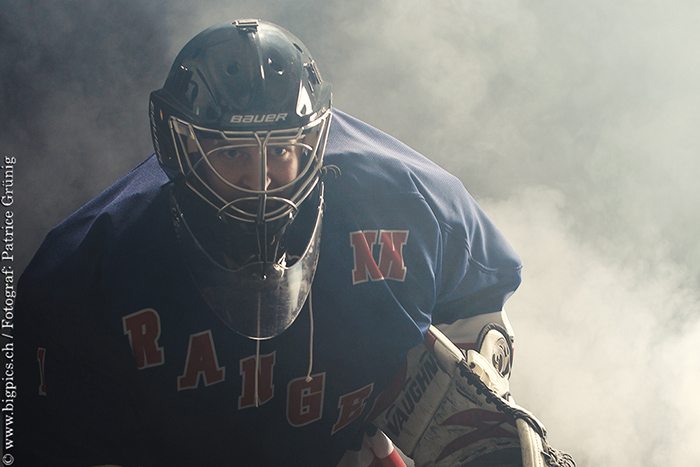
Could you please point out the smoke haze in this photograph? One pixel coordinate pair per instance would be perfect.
(573, 123)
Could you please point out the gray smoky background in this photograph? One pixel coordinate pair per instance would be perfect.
(574, 124)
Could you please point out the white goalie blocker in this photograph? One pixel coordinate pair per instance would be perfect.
(453, 408)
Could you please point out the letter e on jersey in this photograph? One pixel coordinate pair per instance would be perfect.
(351, 406)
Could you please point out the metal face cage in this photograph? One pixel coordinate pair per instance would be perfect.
(200, 152)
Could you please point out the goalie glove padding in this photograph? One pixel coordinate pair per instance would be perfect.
(456, 410)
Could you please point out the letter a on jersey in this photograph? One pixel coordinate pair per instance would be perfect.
(390, 264)
(201, 363)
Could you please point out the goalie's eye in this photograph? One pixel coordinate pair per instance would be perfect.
(278, 151)
(229, 153)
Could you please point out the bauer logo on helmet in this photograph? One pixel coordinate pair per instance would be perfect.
(265, 118)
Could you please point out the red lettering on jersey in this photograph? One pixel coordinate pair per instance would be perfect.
(391, 254)
(365, 266)
(305, 400)
(201, 361)
(391, 264)
(41, 357)
(351, 406)
(143, 329)
(265, 389)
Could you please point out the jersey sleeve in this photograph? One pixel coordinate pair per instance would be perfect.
(479, 270)
(465, 265)
(76, 405)
(70, 411)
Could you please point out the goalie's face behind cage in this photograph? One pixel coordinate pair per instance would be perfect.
(249, 176)
(240, 126)
(238, 169)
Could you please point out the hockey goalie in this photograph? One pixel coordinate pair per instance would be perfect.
(451, 406)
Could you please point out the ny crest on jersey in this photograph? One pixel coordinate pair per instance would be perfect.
(390, 263)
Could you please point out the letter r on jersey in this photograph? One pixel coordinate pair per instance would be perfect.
(143, 329)
(391, 264)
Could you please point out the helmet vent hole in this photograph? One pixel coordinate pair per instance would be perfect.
(298, 47)
(232, 69)
(276, 66)
(313, 74)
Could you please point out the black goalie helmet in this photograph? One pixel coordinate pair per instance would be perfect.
(240, 126)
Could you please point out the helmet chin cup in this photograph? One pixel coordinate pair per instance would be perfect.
(261, 299)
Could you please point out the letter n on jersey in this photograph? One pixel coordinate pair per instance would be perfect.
(390, 263)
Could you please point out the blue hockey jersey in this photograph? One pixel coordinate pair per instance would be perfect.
(122, 362)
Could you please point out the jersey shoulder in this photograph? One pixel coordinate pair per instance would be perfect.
(383, 180)
(376, 167)
(374, 164)
(126, 217)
